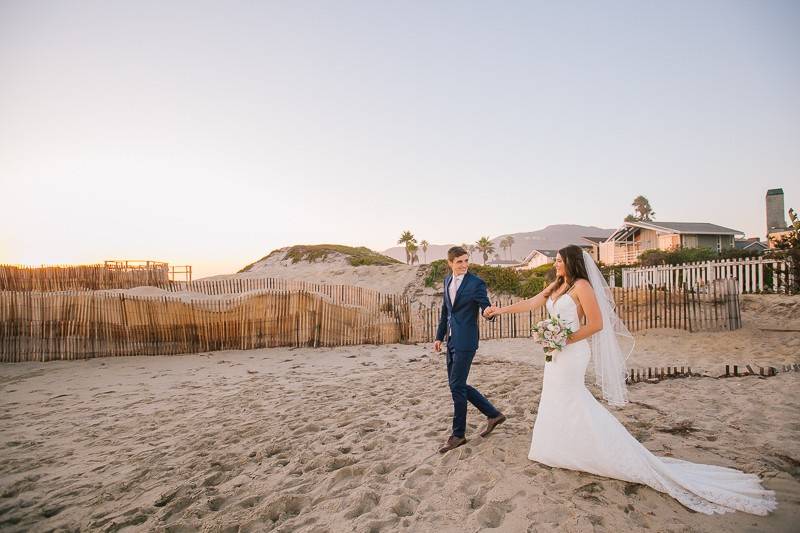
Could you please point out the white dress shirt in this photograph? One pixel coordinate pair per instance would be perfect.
(455, 283)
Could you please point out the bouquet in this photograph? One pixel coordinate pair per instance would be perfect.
(551, 333)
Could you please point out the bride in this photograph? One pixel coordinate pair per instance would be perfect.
(574, 431)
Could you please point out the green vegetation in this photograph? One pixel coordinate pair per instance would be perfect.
(499, 280)
(485, 247)
(644, 212)
(507, 243)
(437, 271)
(788, 247)
(408, 240)
(424, 247)
(689, 255)
(359, 256)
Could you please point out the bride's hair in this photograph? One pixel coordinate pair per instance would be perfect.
(575, 268)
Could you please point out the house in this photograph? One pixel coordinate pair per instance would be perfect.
(537, 258)
(628, 242)
(754, 244)
(496, 262)
(593, 249)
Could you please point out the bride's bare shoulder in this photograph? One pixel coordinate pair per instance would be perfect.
(582, 284)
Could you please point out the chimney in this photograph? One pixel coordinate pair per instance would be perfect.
(776, 219)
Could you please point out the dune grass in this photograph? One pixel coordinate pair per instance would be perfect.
(356, 256)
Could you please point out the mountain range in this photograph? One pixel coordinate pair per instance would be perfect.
(550, 238)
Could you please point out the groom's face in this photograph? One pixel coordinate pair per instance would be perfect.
(459, 265)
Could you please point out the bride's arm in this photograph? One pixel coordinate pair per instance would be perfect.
(523, 305)
(594, 319)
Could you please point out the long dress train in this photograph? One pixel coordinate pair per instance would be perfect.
(574, 431)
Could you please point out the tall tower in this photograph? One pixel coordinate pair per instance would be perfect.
(776, 219)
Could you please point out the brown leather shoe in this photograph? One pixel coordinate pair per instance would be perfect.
(492, 423)
(452, 443)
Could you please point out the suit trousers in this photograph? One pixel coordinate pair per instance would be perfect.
(458, 364)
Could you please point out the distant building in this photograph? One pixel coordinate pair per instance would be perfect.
(628, 242)
(503, 263)
(593, 249)
(753, 244)
(537, 258)
(777, 228)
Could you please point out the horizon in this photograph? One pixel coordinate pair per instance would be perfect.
(210, 135)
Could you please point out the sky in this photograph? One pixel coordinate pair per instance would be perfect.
(210, 133)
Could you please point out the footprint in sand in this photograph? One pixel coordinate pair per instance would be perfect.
(249, 503)
(404, 505)
(418, 477)
(493, 513)
(591, 492)
(216, 503)
(284, 507)
(362, 502)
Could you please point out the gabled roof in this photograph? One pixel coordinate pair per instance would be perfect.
(623, 233)
(748, 244)
(685, 228)
(596, 239)
(547, 253)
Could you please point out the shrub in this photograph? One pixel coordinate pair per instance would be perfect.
(437, 271)
(531, 287)
(676, 257)
(498, 279)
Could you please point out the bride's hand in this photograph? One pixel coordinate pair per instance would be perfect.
(491, 311)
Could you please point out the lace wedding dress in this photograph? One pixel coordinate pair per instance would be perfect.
(574, 431)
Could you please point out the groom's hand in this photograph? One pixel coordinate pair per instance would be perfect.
(490, 311)
(437, 346)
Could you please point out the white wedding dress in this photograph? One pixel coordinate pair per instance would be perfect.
(574, 431)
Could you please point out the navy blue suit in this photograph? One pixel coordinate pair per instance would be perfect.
(460, 322)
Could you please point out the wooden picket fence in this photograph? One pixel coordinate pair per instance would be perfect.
(95, 277)
(124, 275)
(37, 326)
(716, 307)
(752, 275)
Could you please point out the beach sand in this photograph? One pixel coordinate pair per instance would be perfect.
(345, 439)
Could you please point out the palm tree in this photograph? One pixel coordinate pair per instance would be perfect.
(507, 243)
(485, 247)
(503, 244)
(510, 243)
(411, 249)
(470, 249)
(424, 245)
(407, 238)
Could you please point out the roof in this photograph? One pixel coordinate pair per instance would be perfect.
(502, 262)
(548, 253)
(686, 228)
(747, 244)
(596, 239)
(775, 192)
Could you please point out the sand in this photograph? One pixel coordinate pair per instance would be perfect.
(335, 270)
(345, 440)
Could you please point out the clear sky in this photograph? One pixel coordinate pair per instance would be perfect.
(209, 133)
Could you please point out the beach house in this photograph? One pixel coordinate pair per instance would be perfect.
(628, 242)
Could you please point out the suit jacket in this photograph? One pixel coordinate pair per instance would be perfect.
(462, 318)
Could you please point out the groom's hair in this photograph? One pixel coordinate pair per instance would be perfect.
(455, 251)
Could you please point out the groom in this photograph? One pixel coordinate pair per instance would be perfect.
(464, 296)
